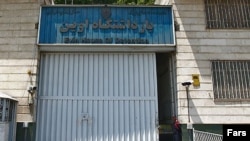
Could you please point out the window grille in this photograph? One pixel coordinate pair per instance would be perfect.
(225, 14)
(231, 80)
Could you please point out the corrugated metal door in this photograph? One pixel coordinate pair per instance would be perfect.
(97, 97)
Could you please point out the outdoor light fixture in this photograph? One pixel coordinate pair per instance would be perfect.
(187, 83)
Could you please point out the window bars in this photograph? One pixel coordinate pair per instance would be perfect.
(224, 14)
(231, 80)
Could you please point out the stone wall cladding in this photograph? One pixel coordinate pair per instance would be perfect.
(196, 46)
(18, 51)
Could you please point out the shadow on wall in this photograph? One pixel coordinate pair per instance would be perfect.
(196, 47)
(189, 25)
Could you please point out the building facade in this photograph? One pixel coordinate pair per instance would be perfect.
(202, 40)
(208, 47)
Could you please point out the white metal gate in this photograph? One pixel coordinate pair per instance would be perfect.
(97, 97)
(206, 136)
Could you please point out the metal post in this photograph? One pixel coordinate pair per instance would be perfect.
(25, 126)
(190, 134)
(187, 91)
(189, 125)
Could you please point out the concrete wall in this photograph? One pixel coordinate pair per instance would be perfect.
(196, 46)
(18, 50)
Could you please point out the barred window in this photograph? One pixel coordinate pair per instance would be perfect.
(231, 80)
(226, 14)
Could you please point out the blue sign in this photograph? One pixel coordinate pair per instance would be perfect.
(106, 25)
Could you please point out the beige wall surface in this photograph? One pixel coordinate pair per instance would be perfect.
(18, 51)
(196, 47)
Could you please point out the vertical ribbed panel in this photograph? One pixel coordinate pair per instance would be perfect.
(97, 97)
